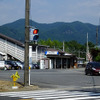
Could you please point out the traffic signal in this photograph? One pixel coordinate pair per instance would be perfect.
(34, 34)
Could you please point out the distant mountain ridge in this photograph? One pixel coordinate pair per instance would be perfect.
(55, 31)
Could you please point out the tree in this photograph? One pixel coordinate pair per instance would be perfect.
(97, 58)
(72, 46)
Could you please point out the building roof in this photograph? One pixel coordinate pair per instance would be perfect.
(11, 40)
(16, 41)
(52, 49)
(51, 52)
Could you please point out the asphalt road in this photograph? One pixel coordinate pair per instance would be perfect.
(69, 79)
(65, 78)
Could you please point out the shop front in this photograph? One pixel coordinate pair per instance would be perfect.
(60, 60)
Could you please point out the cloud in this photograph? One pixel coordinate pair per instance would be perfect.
(66, 10)
(47, 11)
(11, 10)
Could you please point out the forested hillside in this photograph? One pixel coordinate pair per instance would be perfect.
(55, 31)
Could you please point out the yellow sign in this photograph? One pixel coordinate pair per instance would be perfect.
(29, 67)
(15, 77)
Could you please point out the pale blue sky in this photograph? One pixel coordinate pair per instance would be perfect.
(49, 11)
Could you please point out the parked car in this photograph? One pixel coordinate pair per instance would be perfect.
(20, 64)
(30, 65)
(92, 68)
(7, 66)
(4, 65)
(13, 64)
(35, 66)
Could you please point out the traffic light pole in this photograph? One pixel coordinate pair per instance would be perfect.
(26, 57)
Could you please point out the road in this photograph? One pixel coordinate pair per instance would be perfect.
(65, 78)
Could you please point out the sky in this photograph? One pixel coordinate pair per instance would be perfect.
(50, 11)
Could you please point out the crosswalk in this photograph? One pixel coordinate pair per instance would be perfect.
(53, 95)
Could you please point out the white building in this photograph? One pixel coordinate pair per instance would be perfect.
(13, 49)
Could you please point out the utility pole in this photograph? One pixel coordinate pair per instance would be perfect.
(87, 50)
(97, 36)
(26, 57)
(63, 46)
(97, 31)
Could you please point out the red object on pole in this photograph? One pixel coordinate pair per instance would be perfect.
(35, 31)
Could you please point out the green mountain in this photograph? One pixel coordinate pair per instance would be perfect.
(56, 31)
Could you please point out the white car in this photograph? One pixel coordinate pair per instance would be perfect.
(20, 64)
